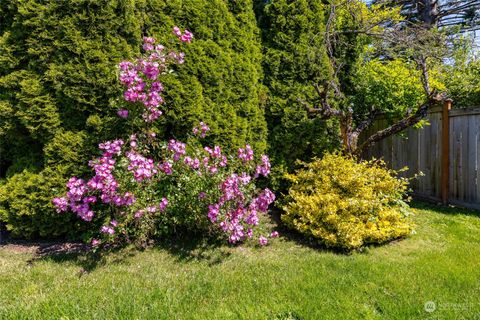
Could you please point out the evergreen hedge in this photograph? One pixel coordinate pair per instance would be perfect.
(294, 59)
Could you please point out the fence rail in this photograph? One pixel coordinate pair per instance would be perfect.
(447, 152)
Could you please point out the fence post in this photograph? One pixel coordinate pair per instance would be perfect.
(445, 157)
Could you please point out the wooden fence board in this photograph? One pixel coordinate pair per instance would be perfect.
(421, 150)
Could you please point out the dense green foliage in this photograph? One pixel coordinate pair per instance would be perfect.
(294, 59)
(58, 84)
(391, 87)
(346, 204)
(462, 79)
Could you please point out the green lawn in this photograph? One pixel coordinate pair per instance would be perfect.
(286, 280)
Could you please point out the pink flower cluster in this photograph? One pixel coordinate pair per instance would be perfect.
(141, 167)
(107, 229)
(245, 154)
(166, 168)
(178, 149)
(152, 209)
(75, 200)
(141, 76)
(186, 36)
(80, 194)
(263, 241)
(123, 113)
(239, 219)
(201, 130)
(192, 163)
(264, 168)
(111, 148)
(214, 159)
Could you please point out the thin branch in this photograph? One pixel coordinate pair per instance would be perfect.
(425, 78)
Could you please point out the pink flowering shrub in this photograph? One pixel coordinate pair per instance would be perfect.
(142, 188)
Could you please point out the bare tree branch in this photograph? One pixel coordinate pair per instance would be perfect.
(401, 125)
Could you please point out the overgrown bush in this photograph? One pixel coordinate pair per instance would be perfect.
(347, 204)
(58, 83)
(146, 187)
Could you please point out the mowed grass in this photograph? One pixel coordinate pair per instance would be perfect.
(286, 280)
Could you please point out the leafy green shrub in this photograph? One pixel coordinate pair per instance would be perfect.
(347, 204)
(27, 209)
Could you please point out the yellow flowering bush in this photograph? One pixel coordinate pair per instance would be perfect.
(347, 204)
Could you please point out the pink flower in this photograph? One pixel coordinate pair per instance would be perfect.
(274, 234)
(252, 219)
(187, 37)
(95, 242)
(139, 214)
(163, 204)
(178, 148)
(148, 43)
(111, 147)
(107, 230)
(148, 40)
(246, 154)
(264, 168)
(265, 198)
(166, 168)
(128, 199)
(114, 223)
(244, 178)
(177, 32)
(61, 204)
(141, 167)
(123, 113)
(202, 130)
(262, 241)
(213, 211)
(151, 209)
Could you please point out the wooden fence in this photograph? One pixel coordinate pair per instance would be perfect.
(447, 152)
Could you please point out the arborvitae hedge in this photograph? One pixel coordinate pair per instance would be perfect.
(294, 59)
(58, 82)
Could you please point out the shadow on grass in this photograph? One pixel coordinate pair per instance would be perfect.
(78, 253)
(213, 251)
(183, 250)
(300, 239)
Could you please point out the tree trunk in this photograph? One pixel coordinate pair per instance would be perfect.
(428, 12)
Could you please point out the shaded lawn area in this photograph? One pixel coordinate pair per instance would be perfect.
(286, 280)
